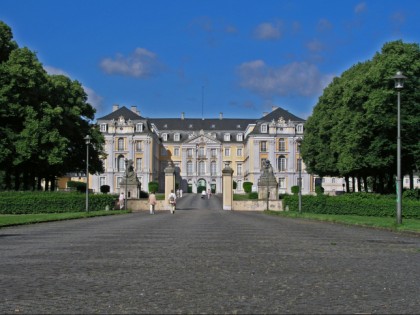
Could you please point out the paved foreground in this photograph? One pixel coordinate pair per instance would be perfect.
(206, 261)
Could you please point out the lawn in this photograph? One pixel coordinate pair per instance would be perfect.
(408, 225)
(18, 219)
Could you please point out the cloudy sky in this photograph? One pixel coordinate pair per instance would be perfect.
(204, 57)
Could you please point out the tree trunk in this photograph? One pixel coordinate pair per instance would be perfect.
(365, 183)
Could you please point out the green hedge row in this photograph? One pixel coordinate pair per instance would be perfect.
(52, 202)
(354, 204)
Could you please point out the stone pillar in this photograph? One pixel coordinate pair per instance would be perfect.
(227, 173)
(169, 180)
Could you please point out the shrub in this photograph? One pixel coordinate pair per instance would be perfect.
(235, 184)
(319, 190)
(153, 186)
(253, 195)
(74, 185)
(52, 202)
(295, 190)
(413, 194)
(247, 186)
(105, 189)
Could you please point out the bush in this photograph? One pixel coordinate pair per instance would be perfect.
(105, 189)
(235, 184)
(319, 190)
(247, 186)
(413, 194)
(295, 190)
(153, 186)
(253, 195)
(363, 204)
(74, 185)
(52, 202)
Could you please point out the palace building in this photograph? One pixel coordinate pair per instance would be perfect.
(200, 148)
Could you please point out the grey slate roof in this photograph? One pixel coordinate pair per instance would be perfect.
(280, 112)
(123, 111)
(195, 124)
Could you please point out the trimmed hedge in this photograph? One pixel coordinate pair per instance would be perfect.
(354, 204)
(52, 202)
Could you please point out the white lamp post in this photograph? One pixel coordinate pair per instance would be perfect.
(126, 179)
(87, 141)
(399, 84)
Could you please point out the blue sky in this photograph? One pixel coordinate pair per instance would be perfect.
(204, 57)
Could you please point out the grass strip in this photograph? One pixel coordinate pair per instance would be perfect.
(408, 225)
(19, 219)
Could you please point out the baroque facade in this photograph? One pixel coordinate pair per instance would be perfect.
(200, 148)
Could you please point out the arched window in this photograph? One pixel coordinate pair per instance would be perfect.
(121, 163)
(281, 163)
(189, 168)
(120, 144)
(201, 168)
(213, 168)
(282, 145)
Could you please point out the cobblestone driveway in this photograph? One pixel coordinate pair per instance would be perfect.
(206, 261)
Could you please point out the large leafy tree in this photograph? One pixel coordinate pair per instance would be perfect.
(352, 131)
(43, 120)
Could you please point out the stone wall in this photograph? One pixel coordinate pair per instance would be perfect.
(257, 205)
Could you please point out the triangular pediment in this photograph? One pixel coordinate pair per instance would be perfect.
(205, 139)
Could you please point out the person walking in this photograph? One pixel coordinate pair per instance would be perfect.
(172, 201)
(208, 193)
(121, 200)
(152, 202)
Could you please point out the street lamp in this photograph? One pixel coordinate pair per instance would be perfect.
(399, 84)
(267, 167)
(299, 142)
(87, 141)
(126, 179)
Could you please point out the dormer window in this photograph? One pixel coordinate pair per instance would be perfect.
(299, 128)
(165, 126)
(190, 126)
(104, 127)
(165, 137)
(264, 128)
(177, 137)
(238, 126)
(139, 127)
(239, 137)
(227, 137)
(213, 126)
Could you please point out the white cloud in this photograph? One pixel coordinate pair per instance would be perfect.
(361, 7)
(55, 71)
(297, 78)
(268, 31)
(141, 63)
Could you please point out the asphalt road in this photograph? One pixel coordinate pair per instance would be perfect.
(206, 261)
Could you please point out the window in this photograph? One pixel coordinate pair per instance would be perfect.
(165, 137)
(104, 127)
(282, 145)
(201, 168)
(264, 128)
(299, 128)
(213, 168)
(120, 144)
(333, 180)
(139, 146)
(138, 164)
(239, 169)
(213, 152)
(190, 152)
(239, 185)
(201, 152)
(102, 181)
(263, 146)
(119, 179)
(239, 137)
(227, 137)
(227, 151)
(176, 151)
(177, 137)
(139, 127)
(281, 163)
(120, 163)
(282, 182)
(189, 168)
(163, 152)
(239, 152)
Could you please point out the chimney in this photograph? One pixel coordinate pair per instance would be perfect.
(221, 116)
(273, 108)
(265, 114)
(182, 115)
(115, 107)
(134, 109)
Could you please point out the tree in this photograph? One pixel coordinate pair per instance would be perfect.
(352, 131)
